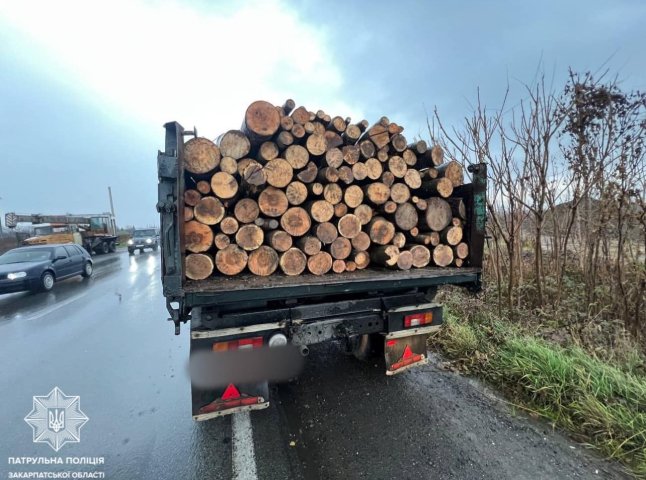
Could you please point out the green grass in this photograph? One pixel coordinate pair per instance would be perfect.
(601, 404)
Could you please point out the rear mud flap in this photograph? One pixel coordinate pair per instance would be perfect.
(404, 353)
(228, 400)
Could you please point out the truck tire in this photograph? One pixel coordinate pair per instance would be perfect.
(155, 247)
(104, 248)
(131, 251)
(112, 246)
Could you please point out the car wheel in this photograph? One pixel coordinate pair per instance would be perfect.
(47, 281)
(112, 247)
(88, 269)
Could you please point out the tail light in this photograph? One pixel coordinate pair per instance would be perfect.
(417, 319)
(241, 344)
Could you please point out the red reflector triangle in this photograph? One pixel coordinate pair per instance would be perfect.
(231, 392)
(407, 352)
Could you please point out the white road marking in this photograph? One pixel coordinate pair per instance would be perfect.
(55, 307)
(244, 457)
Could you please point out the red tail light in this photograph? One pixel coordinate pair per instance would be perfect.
(242, 344)
(417, 319)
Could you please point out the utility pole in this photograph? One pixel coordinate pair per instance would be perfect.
(111, 204)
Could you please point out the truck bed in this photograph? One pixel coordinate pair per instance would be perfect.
(278, 286)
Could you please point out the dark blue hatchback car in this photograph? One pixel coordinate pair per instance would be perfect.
(37, 268)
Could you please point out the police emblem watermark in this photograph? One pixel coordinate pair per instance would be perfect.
(56, 419)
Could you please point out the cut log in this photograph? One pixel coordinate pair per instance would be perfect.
(421, 204)
(421, 238)
(412, 179)
(284, 140)
(198, 237)
(328, 175)
(333, 193)
(234, 144)
(288, 106)
(315, 189)
(203, 186)
(394, 129)
(192, 197)
(188, 214)
(359, 171)
(350, 266)
(250, 237)
(201, 156)
(209, 211)
(229, 225)
(286, 123)
(461, 250)
(353, 196)
(340, 209)
(458, 208)
(263, 261)
(279, 240)
(364, 213)
(321, 210)
(326, 232)
(361, 259)
(363, 125)
(367, 149)
(316, 144)
(334, 158)
(296, 221)
(273, 202)
(268, 151)
(435, 239)
(338, 266)
(221, 241)
(387, 178)
(409, 157)
(361, 241)
(198, 266)
(279, 173)
(246, 210)
(414, 231)
(296, 193)
(399, 193)
(231, 260)
(345, 174)
(419, 147)
(228, 165)
(374, 168)
(309, 244)
(297, 156)
(439, 186)
(381, 231)
(337, 124)
(438, 214)
(389, 207)
(251, 172)
(378, 134)
(309, 173)
(224, 185)
(429, 173)
(261, 122)
(266, 224)
(319, 264)
(298, 131)
(309, 127)
(377, 193)
(293, 262)
(301, 115)
(351, 134)
(341, 248)
(351, 154)
(398, 142)
(421, 256)
(452, 171)
(458, 262)
(333, 139)
(382, 155)
(432, 157)
(399, 240)
(405, 260)
(397, 166)
(451, 235)
(349, 226)
(384, 255)
(442, 255)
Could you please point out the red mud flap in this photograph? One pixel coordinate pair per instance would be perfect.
(403, 353)
(231, 401)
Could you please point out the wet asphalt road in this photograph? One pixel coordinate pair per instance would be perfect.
(107, 340)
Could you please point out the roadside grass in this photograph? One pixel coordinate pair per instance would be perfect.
(600, 403)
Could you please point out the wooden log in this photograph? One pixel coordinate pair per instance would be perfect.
(279, 240)
(409, 157)
(288, 106)
(359, 171)
(389, 207)
(345, 174)
(209, 211)
(435, 239)
(198, 266)
(433, 157)
(254, 178)
(405, 260)
(421, 238)
(361, 241)
(377, 193)
(367, 149)
(198, 237)
(279, 173)
(316, 144)
(297, 156)
(458, 262)
(387, 178)
(338, 266)
(428, 173)
(273, 202)
(263, 261)
(438, 214)
(399, 193)
(364, 213)
(250, 237)
(221, 241)
(333, 139)
(341, 248)
(293, 262)
(394, 129)
(412, 179)
(188, 214)
(398, 142)
(201, 156)
(458, 208)
(351, 154)
(267, 224)
(461, 250)
(320, 210)
(350, 266)
(231, 260)
(363, 125)
(334, 158)
(351, 134)
(224, 185)
(261, 122)
(453, 171)
(381, 231)
(378, 134)
(296, 221)
(361, 259)
(353, 196)
(349, 226)
(192, 197)
(340, 209)
(440, 186)
(382, 155)
(451, 235)
(203, 187)
(421, 204)
(319, 264)
(421, 256)
(301, 115)
(286, 123)
(309, 244)
(234, 144)
(397, 166)
(309, 127)
(315, 189)
(246, 210)
(296, 193)
(228, 165)
(420, 147)
(229, 225)
(298, 132)
(284, 140)
(326, 232)
(337, 124)
(414, 231)
(309, 173)
(384, 255)
(442, 255)
(328, 175)
(374, 168)
(333, 193)
(399, 240)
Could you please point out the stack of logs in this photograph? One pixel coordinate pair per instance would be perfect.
(297, 191)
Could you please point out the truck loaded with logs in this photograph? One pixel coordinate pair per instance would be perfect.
(300, 228)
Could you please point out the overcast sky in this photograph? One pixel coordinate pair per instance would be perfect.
(86, 86)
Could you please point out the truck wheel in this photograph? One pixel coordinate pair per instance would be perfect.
(367, 346)
(104, 248)
(155, 246)
(88, 269)
(131, 251)
(112, 247)
(47, 281)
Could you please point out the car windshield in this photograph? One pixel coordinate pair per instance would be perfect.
(33, 255)
(144, 233)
